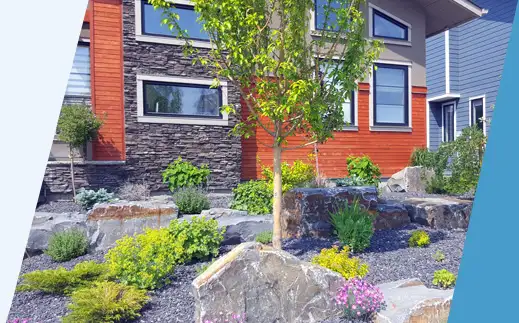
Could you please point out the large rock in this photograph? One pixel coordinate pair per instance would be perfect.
(306, 211)
(245, 231)
(439, 213)
(215, 213)
(410, 179)
(268, 285)
(409, 301)
(123, 210)
(391, 215)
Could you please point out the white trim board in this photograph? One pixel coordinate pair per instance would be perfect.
(447, 62)
(444, 97)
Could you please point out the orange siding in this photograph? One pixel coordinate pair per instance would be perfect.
(106, 52)
(390, 150)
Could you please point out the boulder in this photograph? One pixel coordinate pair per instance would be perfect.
(391, 215)
(216, 213)
(245, 231)
(124, 210)
(306, 211)
(268, 285)
(439, 213)
(409, 301)
(410, 180)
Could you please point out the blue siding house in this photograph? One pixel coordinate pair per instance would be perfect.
(464, 67)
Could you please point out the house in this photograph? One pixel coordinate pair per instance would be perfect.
(464, 68)
(125, 58)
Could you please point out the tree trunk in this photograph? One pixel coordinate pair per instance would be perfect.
(317, 172)
(71, 156)
(278, 195)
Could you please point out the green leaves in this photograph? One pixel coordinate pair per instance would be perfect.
(363, 169)
(255, 197)
(77, 125)
(184, 174)
(353, 225)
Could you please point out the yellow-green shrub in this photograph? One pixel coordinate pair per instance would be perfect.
(293, 175)
(63, 281)
(419, 238)
(444, 278)
(340, 262)
(145, 260)
(106, 302)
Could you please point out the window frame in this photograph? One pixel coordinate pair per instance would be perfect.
(472, 112)
(314, 24)
(183, 119)
(407, 101)
(454, 126)
(180, 115)
(393, 21)
(393, 18)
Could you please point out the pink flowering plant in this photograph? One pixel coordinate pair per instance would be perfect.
(228, 318)
(360, 300)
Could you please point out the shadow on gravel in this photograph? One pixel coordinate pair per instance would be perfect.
(395, 239)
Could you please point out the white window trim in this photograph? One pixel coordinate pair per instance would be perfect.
(455, 104)
(140, 36)
(354, 106)
(385, 40)
(224, 121)
(409, 127)
(447, 63)
(484, 111)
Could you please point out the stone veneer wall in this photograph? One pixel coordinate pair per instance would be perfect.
(150, 147)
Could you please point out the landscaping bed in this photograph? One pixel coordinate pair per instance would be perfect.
(389, 259)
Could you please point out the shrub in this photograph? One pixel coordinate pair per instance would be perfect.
(340, 262)
(364, 169)
(88, 198)
(67, 245)
(353, 225)
(420, 239)
(439, 256)
(191, 200)
(255, 197)
(62, 281)
(106, 302)
(145, 260)
(353, 181)
(296, 175)
(199, 239)
(264, 237)
(134, 192)
(360, 300)
(184, 174)
(436, 185)
(422, 157)
(444, 278)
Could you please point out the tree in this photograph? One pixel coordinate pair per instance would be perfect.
(77, 125)
(292, 83)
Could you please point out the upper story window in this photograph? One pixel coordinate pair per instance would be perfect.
(79, 79)
(348, 107)
(321, 21)
(385, 26)
(391, 95)
(151, 22)
(175, 99)
(477, 112)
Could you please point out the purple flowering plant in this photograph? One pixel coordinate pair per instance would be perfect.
(360, 300)
(228, 318)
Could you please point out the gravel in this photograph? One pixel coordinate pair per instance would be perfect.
(389, 259)
(59, 207)
(400, 196)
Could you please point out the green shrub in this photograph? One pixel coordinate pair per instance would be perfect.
(146, 260)
(106, 302)
(62, 281)
(436, 185)
(444, 278)
(422, 157)
(439, 256)
(88, 198)
(353, 181)
(67, 245)
(255, 197)
(296, 175)
(191, 200)
(184, 174)
(264, 237)
(353, 225)
(340, 262)
(364, 169)
(198, 239)
(419, 238)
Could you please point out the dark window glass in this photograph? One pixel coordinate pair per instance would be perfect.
(151, 22)
(477, 113)
(387, 27)
(320, 15)
(448, 122)
(181, 99)
(391, 98)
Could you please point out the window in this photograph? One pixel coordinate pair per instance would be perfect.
(391, 97)
(176, 99)
(151, 22)
(320, 15)
(477, 112)
(448, 116)
(79, 79)
(386, 27)
(348, 107)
